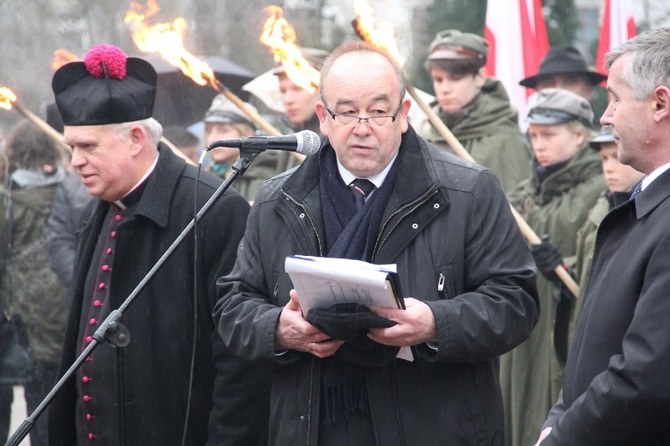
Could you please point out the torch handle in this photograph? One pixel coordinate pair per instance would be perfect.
(258, 119)
(63, 149)
(459, 150)
(46, 128)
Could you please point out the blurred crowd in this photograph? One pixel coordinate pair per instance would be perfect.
(71, 250)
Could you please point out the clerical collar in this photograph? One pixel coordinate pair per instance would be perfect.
(134, 195)
(377, 180)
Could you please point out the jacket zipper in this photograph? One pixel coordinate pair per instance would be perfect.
(414, 204)
(440, 283)
(310, 400)
(311, 222)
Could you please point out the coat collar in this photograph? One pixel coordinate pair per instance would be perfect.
(653, 195)
(414, 177)
(161, 183)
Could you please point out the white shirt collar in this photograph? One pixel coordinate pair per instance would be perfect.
(146, 175)
(377, 180)
(646, 181)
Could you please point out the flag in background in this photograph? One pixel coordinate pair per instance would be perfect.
(618, 25)
(517, 37)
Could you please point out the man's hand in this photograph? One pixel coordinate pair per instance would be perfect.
(415, 325)
(295, 333)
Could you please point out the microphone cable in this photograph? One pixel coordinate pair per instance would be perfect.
(195, 304)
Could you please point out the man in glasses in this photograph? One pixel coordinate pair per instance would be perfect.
(475, 107)
(378, 192)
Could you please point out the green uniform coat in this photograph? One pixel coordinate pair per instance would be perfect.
(530, 374)
(491, 135)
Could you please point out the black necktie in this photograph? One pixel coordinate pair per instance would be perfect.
(361, 188)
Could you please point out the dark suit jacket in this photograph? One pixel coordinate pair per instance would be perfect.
(616, 388)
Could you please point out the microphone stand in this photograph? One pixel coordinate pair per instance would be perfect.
(111, 329)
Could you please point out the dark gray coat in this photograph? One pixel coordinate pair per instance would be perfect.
(229, 398)
(446, 219)
(69, 202)
(616, 389)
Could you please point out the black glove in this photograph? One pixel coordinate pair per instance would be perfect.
(547, 257)
(564, 308)
(346, 321)
(350, 322)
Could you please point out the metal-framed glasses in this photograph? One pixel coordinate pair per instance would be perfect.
(352, 121)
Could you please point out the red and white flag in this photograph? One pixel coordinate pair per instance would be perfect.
(517, 38)
(618, 25)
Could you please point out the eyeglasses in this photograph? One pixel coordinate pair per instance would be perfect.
(353, 121)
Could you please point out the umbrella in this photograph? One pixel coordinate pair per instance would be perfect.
(266, 88)
(180, 101)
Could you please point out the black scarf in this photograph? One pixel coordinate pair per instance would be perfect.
(350, 234)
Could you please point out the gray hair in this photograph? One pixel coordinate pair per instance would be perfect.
(360, 46)
(153, 128)
(648, 61)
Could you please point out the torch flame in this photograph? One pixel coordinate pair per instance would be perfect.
(7, 98)
(62, 57)
(167, 39)
(375, 32)
(279, 35)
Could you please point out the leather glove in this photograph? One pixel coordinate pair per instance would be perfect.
(547, 257)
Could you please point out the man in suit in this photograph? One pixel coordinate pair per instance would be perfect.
(615, 389)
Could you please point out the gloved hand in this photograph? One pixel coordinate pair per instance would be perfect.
(346, 321)
(350, 322)
(547, 257)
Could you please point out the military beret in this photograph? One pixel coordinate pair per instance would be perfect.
(558, 106)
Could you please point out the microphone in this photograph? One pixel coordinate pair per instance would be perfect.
(305, 142)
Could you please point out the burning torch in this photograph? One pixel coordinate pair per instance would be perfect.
(381, 35)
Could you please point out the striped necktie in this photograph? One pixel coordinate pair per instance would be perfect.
(360, 188)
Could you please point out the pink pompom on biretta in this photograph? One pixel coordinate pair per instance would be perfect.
(113, 57)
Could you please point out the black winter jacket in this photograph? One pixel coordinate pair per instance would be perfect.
(449, 229)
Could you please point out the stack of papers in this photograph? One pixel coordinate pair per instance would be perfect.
(322, 281)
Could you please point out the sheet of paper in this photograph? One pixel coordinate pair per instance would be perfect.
(322, 281)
